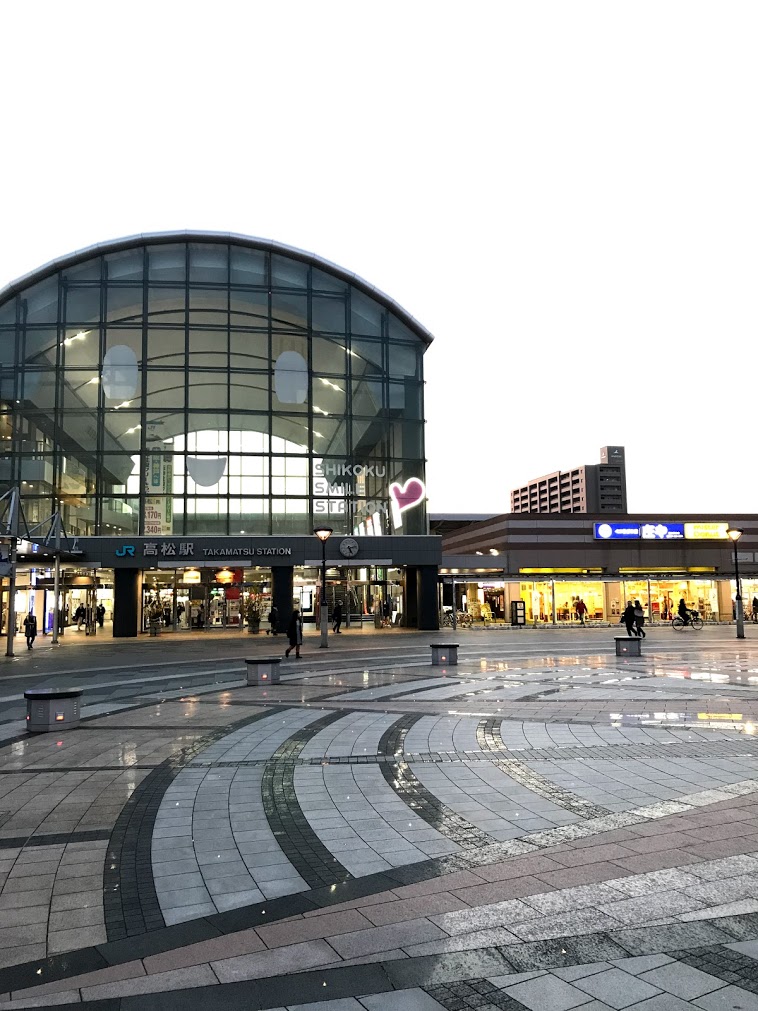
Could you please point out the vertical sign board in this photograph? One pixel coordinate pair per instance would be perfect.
(159, 519)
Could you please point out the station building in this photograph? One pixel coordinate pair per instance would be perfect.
(193, 405)
(544, 564)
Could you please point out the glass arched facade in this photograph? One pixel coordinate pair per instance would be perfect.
(212, 384)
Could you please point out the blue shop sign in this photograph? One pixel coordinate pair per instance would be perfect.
(617, 531)
(662, 531)
(651, 531)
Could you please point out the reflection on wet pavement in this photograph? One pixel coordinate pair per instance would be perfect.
(378, 808)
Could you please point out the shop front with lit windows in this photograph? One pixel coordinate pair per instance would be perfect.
(192, 406)
(577, 570)
(556, 601)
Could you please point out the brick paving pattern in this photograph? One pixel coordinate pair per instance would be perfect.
(547, 827)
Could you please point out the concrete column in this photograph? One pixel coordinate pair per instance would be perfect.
(282, 593)
(426, 583)
(127, 593)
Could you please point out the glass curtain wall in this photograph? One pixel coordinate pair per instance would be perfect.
(209, 387)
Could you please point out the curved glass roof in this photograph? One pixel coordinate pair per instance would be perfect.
(155, 238)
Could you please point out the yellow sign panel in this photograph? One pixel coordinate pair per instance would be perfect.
(193, 576)
(706, 531)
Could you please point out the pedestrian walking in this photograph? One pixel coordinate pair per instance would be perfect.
(100, 612)
(628, 618)
(755, 608)
(273, 620)
(30, 629)
(337, 617)
(295, 633)
(639, 619)
(79, 615)
(581, 610)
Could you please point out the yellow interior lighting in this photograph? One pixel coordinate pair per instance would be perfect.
(666, 568)
(547, 572)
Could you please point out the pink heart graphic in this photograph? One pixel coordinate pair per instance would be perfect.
(408, 494)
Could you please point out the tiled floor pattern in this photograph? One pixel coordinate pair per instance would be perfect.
(446, 852)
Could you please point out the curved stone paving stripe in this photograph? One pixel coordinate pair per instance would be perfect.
(357, 734)
(535, 874)
(738, 794)
(130, 900)
(448, 734)
(219, 873)
(299, 843)
(362, 822)
(489, 738)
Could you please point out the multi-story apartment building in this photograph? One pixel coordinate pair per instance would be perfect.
(591, 488)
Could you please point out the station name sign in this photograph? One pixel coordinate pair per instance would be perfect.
(189, 550)
(655, 530)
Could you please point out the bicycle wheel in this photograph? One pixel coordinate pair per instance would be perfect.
(677, 624)
(696, 621)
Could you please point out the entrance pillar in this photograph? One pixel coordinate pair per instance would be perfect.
(724, 588)
(411, 597)
(612, 602)
(127, 591)
(282, 593)
(426, 594)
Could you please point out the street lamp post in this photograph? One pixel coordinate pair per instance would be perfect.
(323, 534)
(738, 612)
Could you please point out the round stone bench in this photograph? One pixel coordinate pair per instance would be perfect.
(628, 645)
(444, 653)
(52, 709)
(263, 670)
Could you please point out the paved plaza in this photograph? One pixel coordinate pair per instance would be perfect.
(544, 826)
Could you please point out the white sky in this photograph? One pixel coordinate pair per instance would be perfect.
(564, 193)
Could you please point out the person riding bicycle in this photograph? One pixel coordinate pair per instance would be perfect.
(684, 612)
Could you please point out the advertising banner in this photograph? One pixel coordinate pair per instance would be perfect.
(159, 479)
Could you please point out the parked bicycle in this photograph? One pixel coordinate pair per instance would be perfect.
(462, 619)
(695, 621)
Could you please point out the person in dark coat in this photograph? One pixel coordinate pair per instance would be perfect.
(628, 618)
(30, 629)
(273, 620)
(337, 617)
(639, 619)
(295, 633)
(684, 611)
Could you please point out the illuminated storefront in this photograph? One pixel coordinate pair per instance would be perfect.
(185, 385)
(552, 562)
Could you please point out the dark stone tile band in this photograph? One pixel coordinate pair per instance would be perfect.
(489, 737)
(420, 800)
(55, 838)
(130, 902)
(315, 864)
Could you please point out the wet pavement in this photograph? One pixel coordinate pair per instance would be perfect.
(544, 825)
